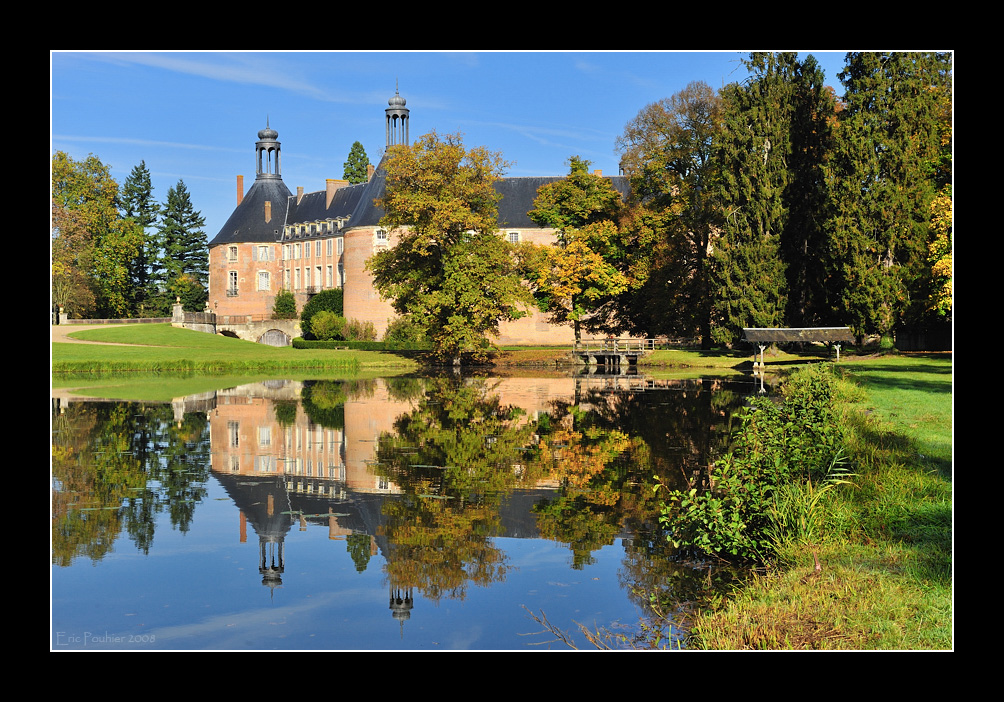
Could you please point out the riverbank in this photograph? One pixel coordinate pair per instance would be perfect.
(880, 574)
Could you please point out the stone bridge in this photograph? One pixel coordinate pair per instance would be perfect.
(256, 328)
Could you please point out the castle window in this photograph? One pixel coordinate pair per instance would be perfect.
(231, 253)
(317, 248)
(330, 281)
(513, 237)
(320, 281)
(263, 280)
(381, 235)
(296, 251)
(341, 244)
(231, 283)
(327, 248)
(286, 252)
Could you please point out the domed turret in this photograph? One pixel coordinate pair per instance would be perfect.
(397, 120)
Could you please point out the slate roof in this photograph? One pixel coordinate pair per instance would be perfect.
(356, 202)
(247, 223)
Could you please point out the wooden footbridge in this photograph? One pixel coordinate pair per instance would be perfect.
(764, 337)
(611, 352)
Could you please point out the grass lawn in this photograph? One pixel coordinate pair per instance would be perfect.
(886, 555)
(161, 347)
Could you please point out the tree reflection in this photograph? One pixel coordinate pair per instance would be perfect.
(454, 457)
(117, 465)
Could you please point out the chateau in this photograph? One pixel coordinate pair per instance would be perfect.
(309, 242)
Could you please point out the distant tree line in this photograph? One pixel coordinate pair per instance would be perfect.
(117, 252)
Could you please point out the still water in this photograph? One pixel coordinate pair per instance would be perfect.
(404, 513)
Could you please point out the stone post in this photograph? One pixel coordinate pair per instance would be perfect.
(177, 314)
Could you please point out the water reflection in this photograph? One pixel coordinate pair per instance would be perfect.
(427, 476)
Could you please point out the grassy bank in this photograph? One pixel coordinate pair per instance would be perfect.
(163, 348)
(885, 546)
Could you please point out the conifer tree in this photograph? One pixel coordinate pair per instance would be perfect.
(750, 288)
(356, 164)
(136, 202)
(884, 172)
(185, 251)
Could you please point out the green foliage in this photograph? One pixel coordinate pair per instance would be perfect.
(284, 306)
(886, 166)
(793, 443)
(327, 326)
(404, 331)
(668, 151)
(356, 330)
(576, 200)
(355, 166)
(330, 300)
(184, 247)
(449, 268)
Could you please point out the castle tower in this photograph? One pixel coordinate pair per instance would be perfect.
(267, 153)
(397, 121)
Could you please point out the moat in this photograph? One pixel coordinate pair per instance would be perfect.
(404, 513)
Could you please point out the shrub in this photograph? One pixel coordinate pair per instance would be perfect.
(360, 331)
(327, 300)
(404, 331)
(285, 305)
(793, 443)
(327, 326)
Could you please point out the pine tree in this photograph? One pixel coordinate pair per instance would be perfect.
(884, 171)
(749, 283)
(356, 165)
(803, 240)
(185, 251)
(136, 202)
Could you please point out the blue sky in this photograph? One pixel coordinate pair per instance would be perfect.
(196, 116)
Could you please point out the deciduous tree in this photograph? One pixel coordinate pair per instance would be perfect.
(668, 152)
(449, 269)
(580, 273)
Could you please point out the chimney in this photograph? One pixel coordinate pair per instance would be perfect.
(369, 172)
(299, 194)
(268, 211)
(332, 184)
(240, 189)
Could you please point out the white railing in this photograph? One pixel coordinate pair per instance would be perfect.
(614, 345)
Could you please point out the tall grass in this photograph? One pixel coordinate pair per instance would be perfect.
(883, 544)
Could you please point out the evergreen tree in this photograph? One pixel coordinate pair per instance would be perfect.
(356, 165)
(803, 240)
(185, 251)
(137, 203)
(885, 173)
(750, 288)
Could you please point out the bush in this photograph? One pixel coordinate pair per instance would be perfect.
(404, 331)
(326, 300)
(285, 305)
(780, 452)
(360, 331)
(327, 326)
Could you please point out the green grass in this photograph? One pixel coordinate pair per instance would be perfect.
(886, 552)
(161, 347)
